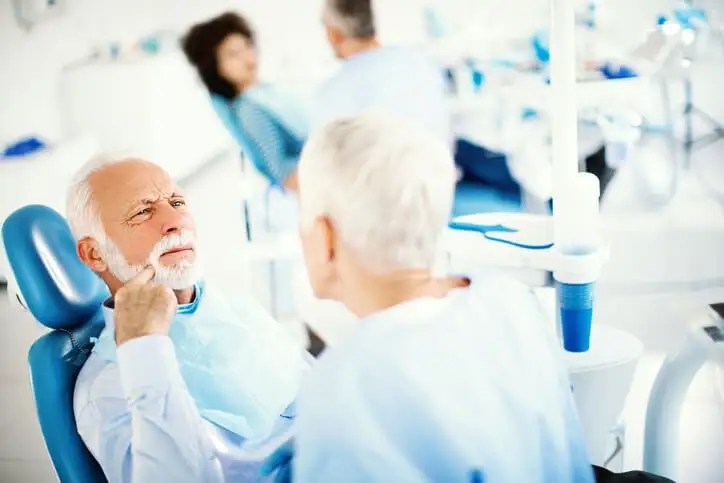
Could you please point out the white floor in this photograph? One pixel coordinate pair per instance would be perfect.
(660, 321)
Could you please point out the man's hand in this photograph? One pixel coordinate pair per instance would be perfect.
(142, 308)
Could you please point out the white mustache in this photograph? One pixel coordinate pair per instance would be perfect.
(169, 242)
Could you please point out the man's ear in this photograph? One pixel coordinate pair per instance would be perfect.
(334, 35)
(89, 252)
(326, 237)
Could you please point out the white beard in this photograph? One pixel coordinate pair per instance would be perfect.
(180, 276)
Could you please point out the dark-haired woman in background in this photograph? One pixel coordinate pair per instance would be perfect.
(270, 125)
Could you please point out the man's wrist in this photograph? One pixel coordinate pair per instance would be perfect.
(123, 336)
(147, 362)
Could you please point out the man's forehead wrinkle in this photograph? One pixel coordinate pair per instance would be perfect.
(142, 186)
(163, 188)
(145, 198)
(156, 191)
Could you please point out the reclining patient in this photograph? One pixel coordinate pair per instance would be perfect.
(212, 398)
(449, 378)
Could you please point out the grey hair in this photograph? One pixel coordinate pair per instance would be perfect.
(354, 17)
(386, 185)
(81, 210)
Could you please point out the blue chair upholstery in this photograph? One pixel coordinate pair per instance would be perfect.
(475, 197)
(482, 164)
(264, 130)
(487, 185)
(248, 148)
(66, 296)
(250, 151)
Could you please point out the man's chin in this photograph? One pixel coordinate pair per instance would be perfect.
(173, 284)
(178, 287)
(177, 278)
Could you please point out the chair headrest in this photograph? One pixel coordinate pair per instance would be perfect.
(58, 289)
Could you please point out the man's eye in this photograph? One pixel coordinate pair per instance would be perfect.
(175, 203)
(143, 212)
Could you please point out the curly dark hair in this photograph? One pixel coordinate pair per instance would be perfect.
(201, 42)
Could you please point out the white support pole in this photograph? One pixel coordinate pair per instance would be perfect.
(663, 413)
(563, 110)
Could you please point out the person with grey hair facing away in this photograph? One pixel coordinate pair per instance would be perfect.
(447, 378)
(397, 80)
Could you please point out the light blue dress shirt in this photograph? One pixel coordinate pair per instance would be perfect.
(396, 80)
(138, 419)
(468, 388)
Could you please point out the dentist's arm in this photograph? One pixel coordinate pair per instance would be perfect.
(168, 441)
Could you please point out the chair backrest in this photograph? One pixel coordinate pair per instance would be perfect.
(66, 296)
(248, 148)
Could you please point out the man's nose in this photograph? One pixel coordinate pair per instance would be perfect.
(171, 220)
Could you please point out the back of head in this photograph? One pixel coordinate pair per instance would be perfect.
(386, 187)
(355, 18)
(200, 45)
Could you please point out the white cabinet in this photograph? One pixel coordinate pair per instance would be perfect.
(152, 106)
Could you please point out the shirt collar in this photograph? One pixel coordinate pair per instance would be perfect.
(366, 54)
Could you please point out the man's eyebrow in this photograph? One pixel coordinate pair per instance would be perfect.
(147, 201)
(133, 204)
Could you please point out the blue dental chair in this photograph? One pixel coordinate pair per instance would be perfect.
(248, 149)
(65, 296)
(253, 154)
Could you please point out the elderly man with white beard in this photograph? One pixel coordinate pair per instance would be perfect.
(215, 395)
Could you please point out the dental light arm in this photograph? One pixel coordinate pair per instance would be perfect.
(568, 243)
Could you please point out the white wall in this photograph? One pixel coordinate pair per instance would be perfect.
(290, 37)
(30, 62)
(290, 34)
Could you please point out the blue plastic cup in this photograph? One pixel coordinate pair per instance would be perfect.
(576, 306)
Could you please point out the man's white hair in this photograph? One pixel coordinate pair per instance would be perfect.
(81, 210)
(385, 186)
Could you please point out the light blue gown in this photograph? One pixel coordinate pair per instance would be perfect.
(240, 366)
(468, 388)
